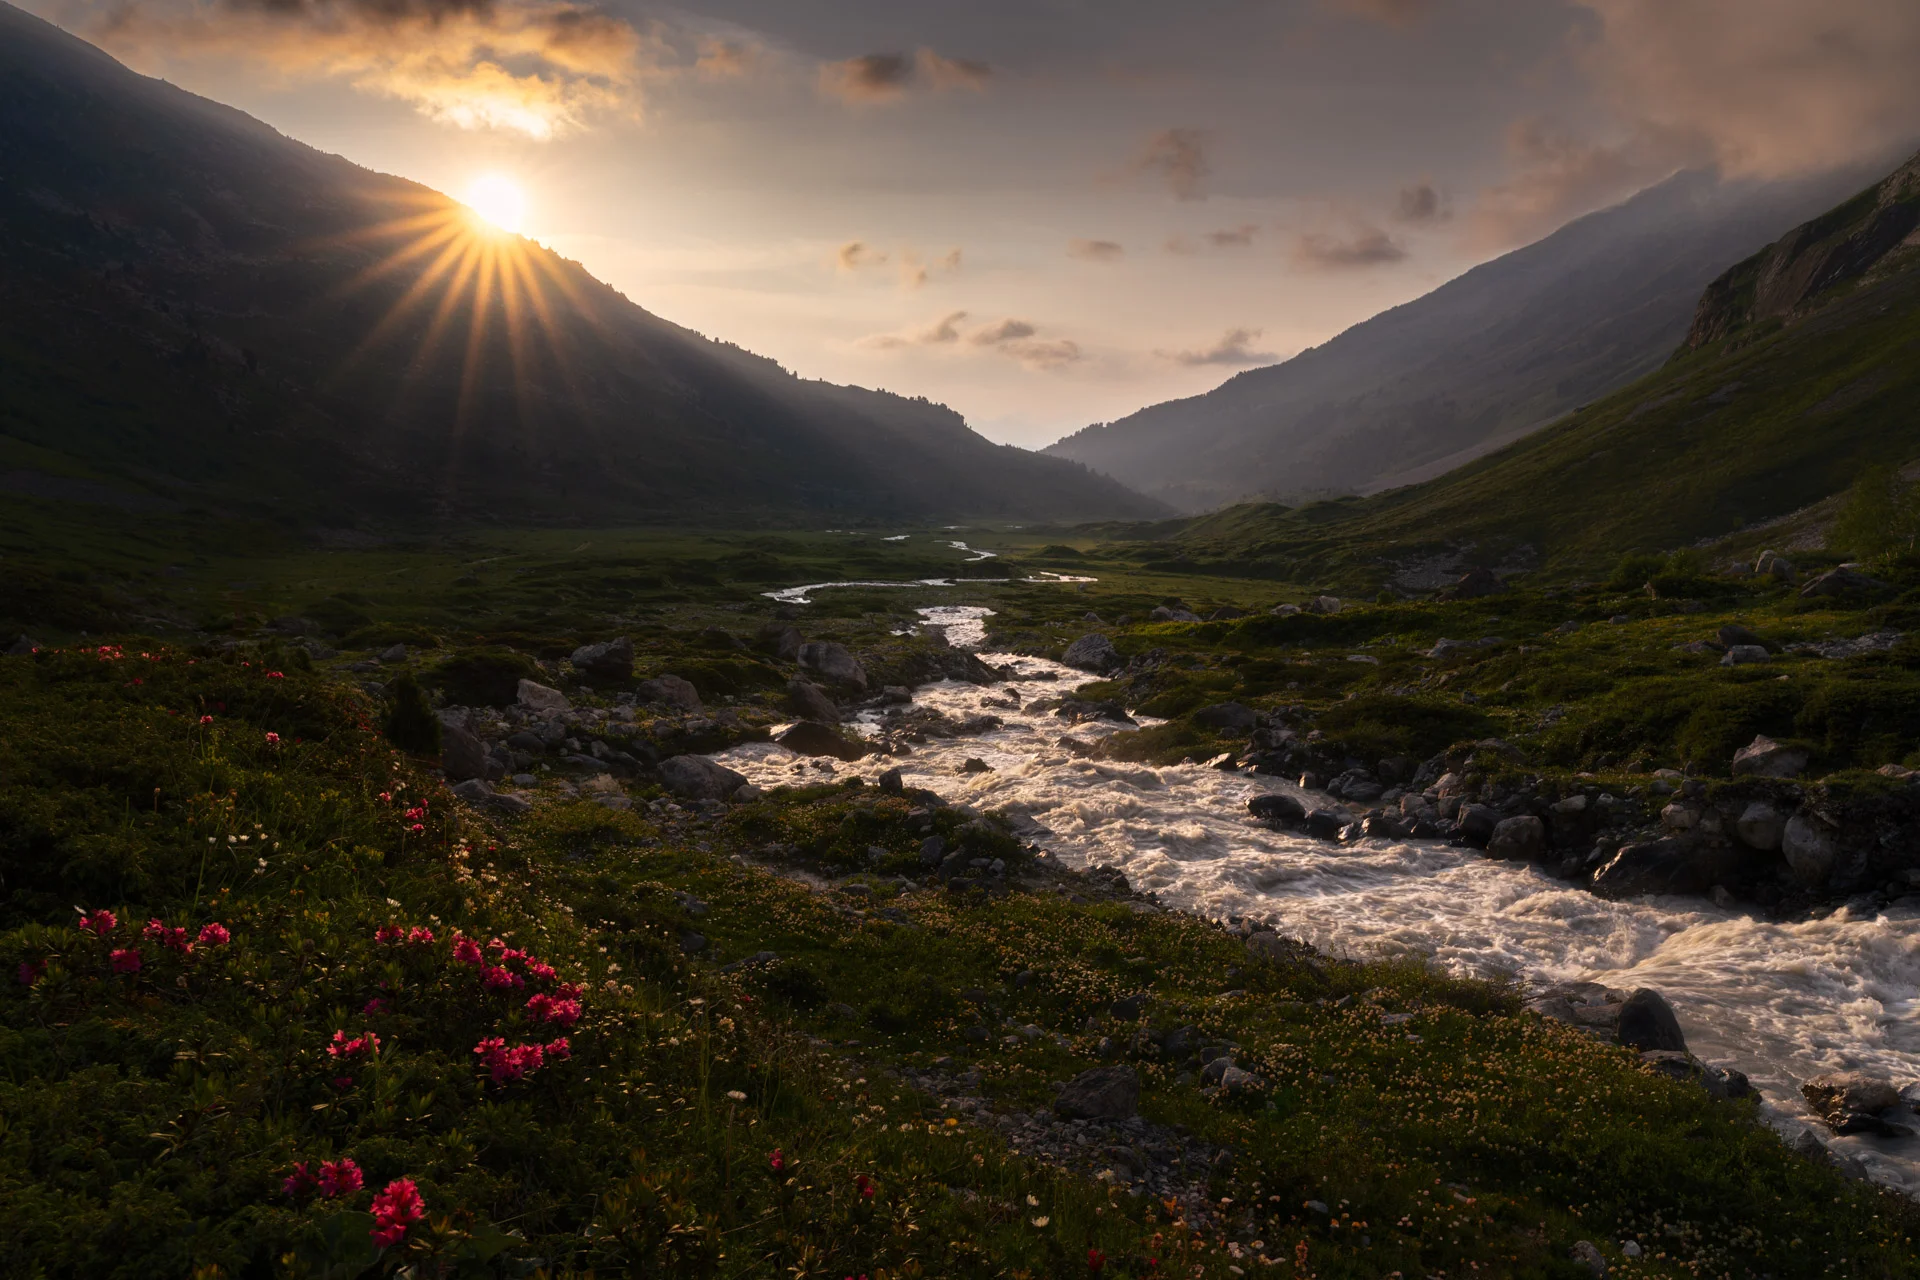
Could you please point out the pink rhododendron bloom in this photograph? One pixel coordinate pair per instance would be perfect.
(276, 675)
(864, 1185)
(419, 935)
(173, 939)
(504, 1062)
(465, 949)
(214, 935)
(389, 933)
(31, 971)
(100, 923)
(394, 1210)
(206, 719)
(126, 960)
(498, 979)
(544, 1008)
(273, 739)
(559, 1050)
(339, 1178)
(363, 1046)
(300, 1182)
(777, 1161)
(373, 1006)
(544, 972)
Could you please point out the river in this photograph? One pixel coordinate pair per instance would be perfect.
(1782, 1002)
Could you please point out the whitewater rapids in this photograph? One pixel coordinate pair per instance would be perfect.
(1782, 1002)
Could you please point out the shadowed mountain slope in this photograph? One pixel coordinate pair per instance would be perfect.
(1803, 368)
(1498, 352)
(197, 310)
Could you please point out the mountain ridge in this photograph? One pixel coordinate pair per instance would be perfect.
(204, 308)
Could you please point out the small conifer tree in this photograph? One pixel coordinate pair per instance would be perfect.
(411, 724)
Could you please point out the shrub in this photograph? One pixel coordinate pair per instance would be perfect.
(482, 677)
(411, 724)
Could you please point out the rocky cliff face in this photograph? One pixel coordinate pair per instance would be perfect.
(1784, 279)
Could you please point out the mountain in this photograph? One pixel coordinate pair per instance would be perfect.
(1800, 369)
(1501, 351)
(198, 311)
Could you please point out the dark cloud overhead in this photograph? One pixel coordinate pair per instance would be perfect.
(1363, 246)
(1394, 13)
(1420, 204)
(1178, 158)
(1235, 348)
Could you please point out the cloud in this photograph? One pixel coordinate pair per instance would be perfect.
(1005, 331)
(855, 254)
(726, 59)
(1394, 13)
(1233, 348)
(1364, 246)
(1420, 205)
(541, 68)
(1558, 176)
(1178, 157)
(943, 332)
(885, 77)
(1768, 87)
(1096, 250)
(1239, 237)
(913, 270)
(1044, 354)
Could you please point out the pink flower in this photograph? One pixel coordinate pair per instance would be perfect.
(100, 923)
(276, 675)
(373, 1006)
(206, 719)
(389, 933)
(506, 1063)
(569, 991)
(172, 939)
(544, 1008)
(544, 972)
(366, 1046)
(387, 796)
(498, 979)
(394, 1210)
(126, 960)
(273, 739)
(420, 936)
(418, 826)
(864, 1185)
(559, 1050)
(343, 1082)
(339, 1178)
(214, 935)
(31, 971)
(465, 949)
(300, 1182)
(777, 1161)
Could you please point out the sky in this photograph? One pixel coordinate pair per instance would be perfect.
(1044, 213)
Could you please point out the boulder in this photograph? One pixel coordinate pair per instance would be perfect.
(893, 782)
(1476, 583)
(723, 640)
(811, 738)
(674, 691)
(539, 697)
(1324, 605)
(1227, 717)
(1165, 613)
(394, 654)
(22, 648)
(810, 702)
(1677, 866)
(832, 661)
(1842, 582)
(1734, 634)
(1277, 808)
(1851, 1102)
(1103, 1093)
(1523, 838)
(698, 778)
(476, 792)
(780, 640)
(1809, 848)
(1267, 945)
(1760, 826)
(608, 660)
(1477, 823)
(1647, 1022)
(1741, 655)
(1284, 610)
(1587, 1256)
(1326, 824)
(1092, 652)
(1765, 758)
(1773, 565)
(462, 755)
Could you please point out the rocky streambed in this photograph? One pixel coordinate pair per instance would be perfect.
(1780, 1003)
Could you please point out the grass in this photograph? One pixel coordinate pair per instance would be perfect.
(151, 1117)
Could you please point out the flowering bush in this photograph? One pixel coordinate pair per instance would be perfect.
(397, 1207)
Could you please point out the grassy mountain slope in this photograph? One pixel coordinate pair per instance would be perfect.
(1787, 391)
(1501, 350)
(196, 309)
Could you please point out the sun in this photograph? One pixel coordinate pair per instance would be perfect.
(498, 200)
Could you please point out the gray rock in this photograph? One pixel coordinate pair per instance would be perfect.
(1744, 655)
(1523, 838)
(1734, 634)
(1477, 823)
(1166, 613)
(698, 778)
(692, 943)
(1240, 1082)
(1675, 866)
(1765, 758)
(892, 782)
(1647, 1021)
(1842, 582)
(810, 702)
(810, 738)
(397, 653)
(608, 660)
(674, 691)
(1760, 826)
(1324, 605)
(1103, 1093)
(834, 663)
(1851, 1102)
(1809, 848)
(1284, 610)
(1277, 808)
(974, 764)
(1227, 717)
(1093, 653)
(932, 850)
(21, 648)
(1326, 824)
(1586, 1254)
(780, 640)
(538, 697)
(1476, 583)
(462, 755)
(746, 794)
(476, 792)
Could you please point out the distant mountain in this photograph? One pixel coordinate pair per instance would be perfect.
(198, 311)
(1802, 367)
(1500, 351)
